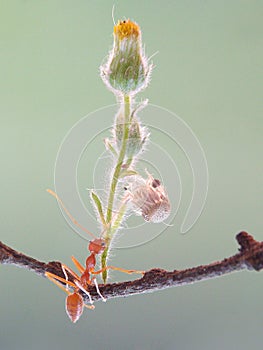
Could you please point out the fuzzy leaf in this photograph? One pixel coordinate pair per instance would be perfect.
(98, 205)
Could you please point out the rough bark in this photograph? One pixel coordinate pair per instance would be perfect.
(250, 257)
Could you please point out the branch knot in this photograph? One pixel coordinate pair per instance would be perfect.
(251, 250)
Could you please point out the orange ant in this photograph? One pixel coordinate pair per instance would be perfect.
(74, 301)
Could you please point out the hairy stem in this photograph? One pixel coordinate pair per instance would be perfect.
(114, 182)
(116, 174)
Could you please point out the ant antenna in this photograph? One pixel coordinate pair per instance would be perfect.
(69, 215)
(112, 14)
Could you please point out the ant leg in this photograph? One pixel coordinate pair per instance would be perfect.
(140, 272)
(78, 284)
(66, 268)
(117, 269)
(65, 274)
(97, 289)
(78, 265)
(56, 279)
(90, 307)
(82, 270)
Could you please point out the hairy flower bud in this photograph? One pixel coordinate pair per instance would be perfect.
(127, 70)
(138, 134)
(135, 140)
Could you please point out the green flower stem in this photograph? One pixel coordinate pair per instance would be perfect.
(116, 175)
(118, 220)
(129, 161)
(114, 228)
(103, 264)
(120, 160)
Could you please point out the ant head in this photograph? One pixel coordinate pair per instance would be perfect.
(97, 246)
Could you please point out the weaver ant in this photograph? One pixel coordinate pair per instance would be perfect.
(74, 301)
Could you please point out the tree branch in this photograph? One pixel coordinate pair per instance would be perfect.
(250, 256)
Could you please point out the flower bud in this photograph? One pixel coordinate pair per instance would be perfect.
(127, 70)
(138, 134)
(138, 137)
(118, 130)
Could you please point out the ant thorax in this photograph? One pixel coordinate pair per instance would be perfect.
(148, 198)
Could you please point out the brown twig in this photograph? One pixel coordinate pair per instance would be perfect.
(250, 257)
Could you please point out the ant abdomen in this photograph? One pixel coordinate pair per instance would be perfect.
(74, 306)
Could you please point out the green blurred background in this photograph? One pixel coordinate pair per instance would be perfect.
(208, 71)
